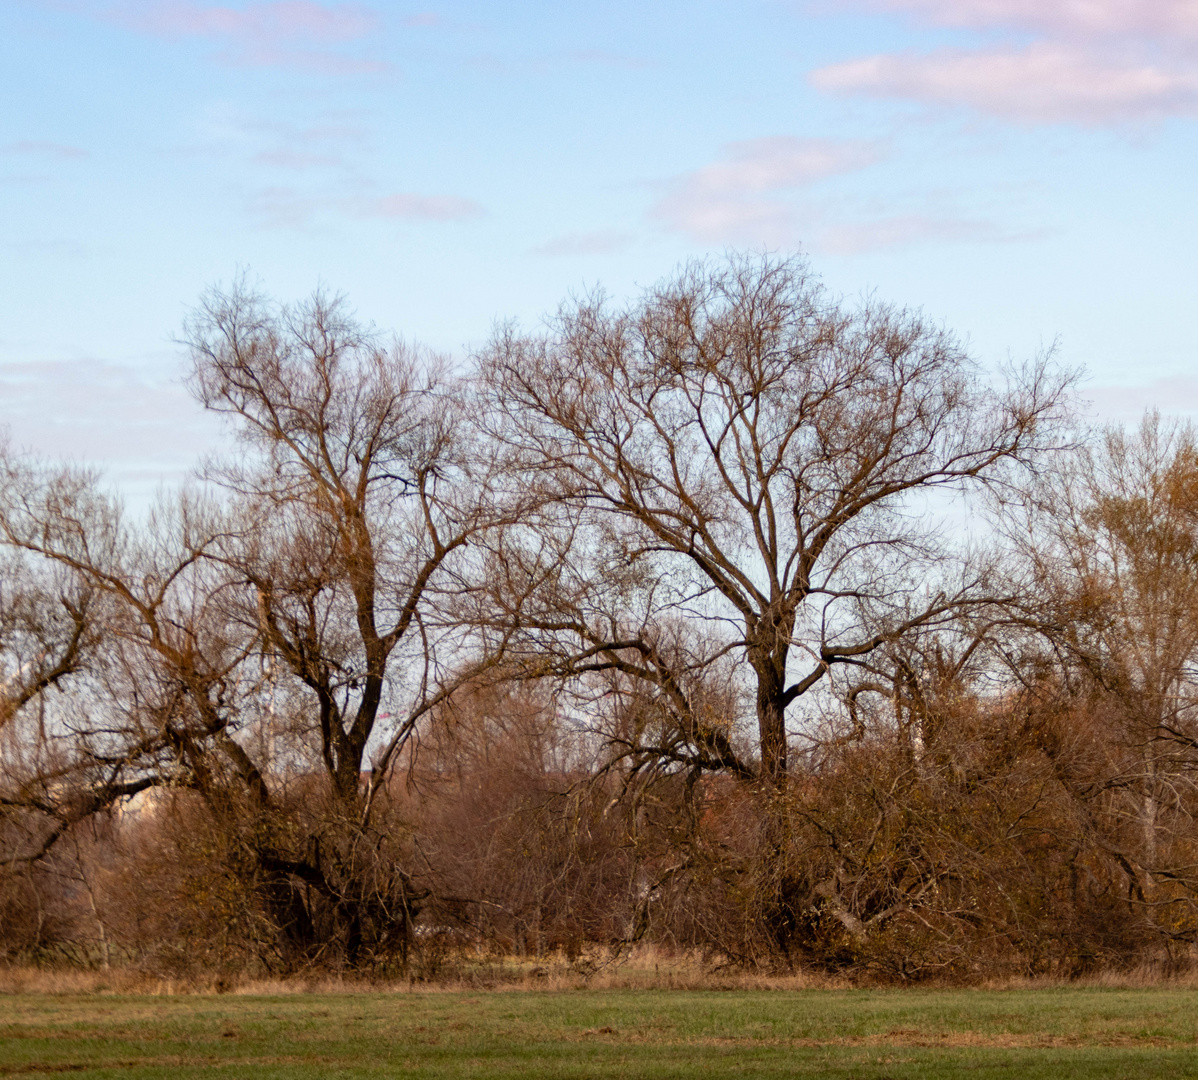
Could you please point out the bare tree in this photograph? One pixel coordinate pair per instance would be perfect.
(359, 490)
(738, 453)
(700, 530)
(125, 623)
(1113, 545)
(272, 653)
(73, 575)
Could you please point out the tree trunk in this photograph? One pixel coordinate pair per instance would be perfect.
(776, 891)
(771, 723)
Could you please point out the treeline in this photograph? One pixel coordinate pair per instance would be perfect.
(737, 619)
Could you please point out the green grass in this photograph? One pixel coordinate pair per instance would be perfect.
(860, 1034)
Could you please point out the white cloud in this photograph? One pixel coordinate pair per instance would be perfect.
(733, 200)
(747, 197)
(265, 33)
(1099, 18)
(771, 164)
(1043, 83)
(1088, 62)
(265, 23)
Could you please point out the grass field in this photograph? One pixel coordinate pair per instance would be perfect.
(1014, 1034)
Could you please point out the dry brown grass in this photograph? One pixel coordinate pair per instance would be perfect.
(1143, 976)
(644, 968)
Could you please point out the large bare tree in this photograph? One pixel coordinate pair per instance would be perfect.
(359, 488)
(271, 649)
(744, 470)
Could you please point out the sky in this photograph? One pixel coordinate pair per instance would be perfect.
(1023, 171)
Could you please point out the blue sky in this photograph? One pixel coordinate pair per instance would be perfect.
(1023, 170)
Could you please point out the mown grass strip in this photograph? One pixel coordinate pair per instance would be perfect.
(588, 1034)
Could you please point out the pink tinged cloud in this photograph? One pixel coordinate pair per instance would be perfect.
(728, 201)
(261, 23)
(269, 33)
(1042, 84)
(727, 220)
(781, 161)
(1091, 18)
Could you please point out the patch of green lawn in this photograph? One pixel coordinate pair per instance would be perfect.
(860, 1034)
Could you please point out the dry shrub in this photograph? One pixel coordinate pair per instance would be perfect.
(198, 898)
(970, 855)
(36, 918)
(519, 846)
(991, 850)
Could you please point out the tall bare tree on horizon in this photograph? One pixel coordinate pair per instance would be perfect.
(736, 450)
(304, 610)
